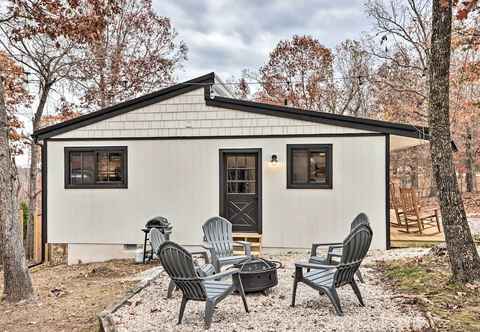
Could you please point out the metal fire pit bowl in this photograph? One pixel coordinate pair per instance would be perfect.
(258, 274)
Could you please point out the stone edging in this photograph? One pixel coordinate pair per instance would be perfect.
(105, 317)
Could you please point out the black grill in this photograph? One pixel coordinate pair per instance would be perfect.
(162, 224)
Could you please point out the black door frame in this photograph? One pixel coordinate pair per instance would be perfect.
(222, 192)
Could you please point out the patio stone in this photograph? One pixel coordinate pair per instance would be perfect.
(149, 310)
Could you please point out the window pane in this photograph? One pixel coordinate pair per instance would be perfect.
(231, 162)
(231, 174)
(75, 168)
(232, 187)
(250, 187)
(300, 166)
(318, 167)
(102, 166)
(88, 167)
(242, 174)
(251, 161)
(241, 162)
(115, 167)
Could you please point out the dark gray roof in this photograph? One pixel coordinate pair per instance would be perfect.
(229, 103)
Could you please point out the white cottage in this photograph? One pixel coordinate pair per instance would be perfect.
(190, 151)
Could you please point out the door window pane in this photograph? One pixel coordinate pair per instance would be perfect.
(241, 174)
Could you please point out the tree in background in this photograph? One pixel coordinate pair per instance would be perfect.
(17, 100)
(465, 96)
(17, 281)
(462, 253)
(41, 36)
(352, 88)
(136, 52)
(299, 73)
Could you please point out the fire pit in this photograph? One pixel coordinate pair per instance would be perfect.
(258, 274)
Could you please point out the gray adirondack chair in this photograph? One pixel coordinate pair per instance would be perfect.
(218, 233)
(179, 265)
(327, 278)
(334, 251)
(157, 239)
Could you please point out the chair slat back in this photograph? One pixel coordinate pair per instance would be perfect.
(355, 248)
(218, 233)
(156, 238)
(394, 198)
(179, 265)
(409, 200)
(361, 219)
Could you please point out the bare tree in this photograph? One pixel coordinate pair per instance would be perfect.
(137, 51)
(463, 255)
(41, 36)
(352, 88)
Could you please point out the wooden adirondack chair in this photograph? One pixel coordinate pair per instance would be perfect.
(335, 249)
(327, 278)
(179, 265)
(396, 205)
(218, 233)
(157, 239)
(415, 215)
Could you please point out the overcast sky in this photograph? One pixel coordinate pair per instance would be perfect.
(226, 36)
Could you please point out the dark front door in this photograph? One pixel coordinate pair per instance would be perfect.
(240, 188)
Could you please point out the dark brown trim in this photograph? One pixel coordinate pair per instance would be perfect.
(324, 147)
(221, 192)
(387, 189)
(44, 197)
(157, 138)
(320, 117)
(119, 185)
(121, 108)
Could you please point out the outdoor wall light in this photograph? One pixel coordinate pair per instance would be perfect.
(274, 160)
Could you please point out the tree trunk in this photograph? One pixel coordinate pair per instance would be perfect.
(470, 178)
(16, 277)
(33, 176)
(463, 255)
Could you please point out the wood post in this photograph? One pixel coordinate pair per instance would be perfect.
(37, 248)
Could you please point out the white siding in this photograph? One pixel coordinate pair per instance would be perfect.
(179, 179)
(188, 115)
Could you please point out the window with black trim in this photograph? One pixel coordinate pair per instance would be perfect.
(309, 166)
(96, 167)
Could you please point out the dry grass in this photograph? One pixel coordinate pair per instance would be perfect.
(426, 281)
(69, 297)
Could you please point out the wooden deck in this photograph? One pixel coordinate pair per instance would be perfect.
(255, 240)
(430, 237)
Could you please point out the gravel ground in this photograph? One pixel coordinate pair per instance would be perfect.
(149, 310)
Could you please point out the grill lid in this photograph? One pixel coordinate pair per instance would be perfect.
(158, 222)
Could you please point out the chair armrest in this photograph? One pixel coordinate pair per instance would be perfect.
(247, 246)
(314, 266)
(209, 248)
(202, 253)
(221, 275)
(315, 246)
